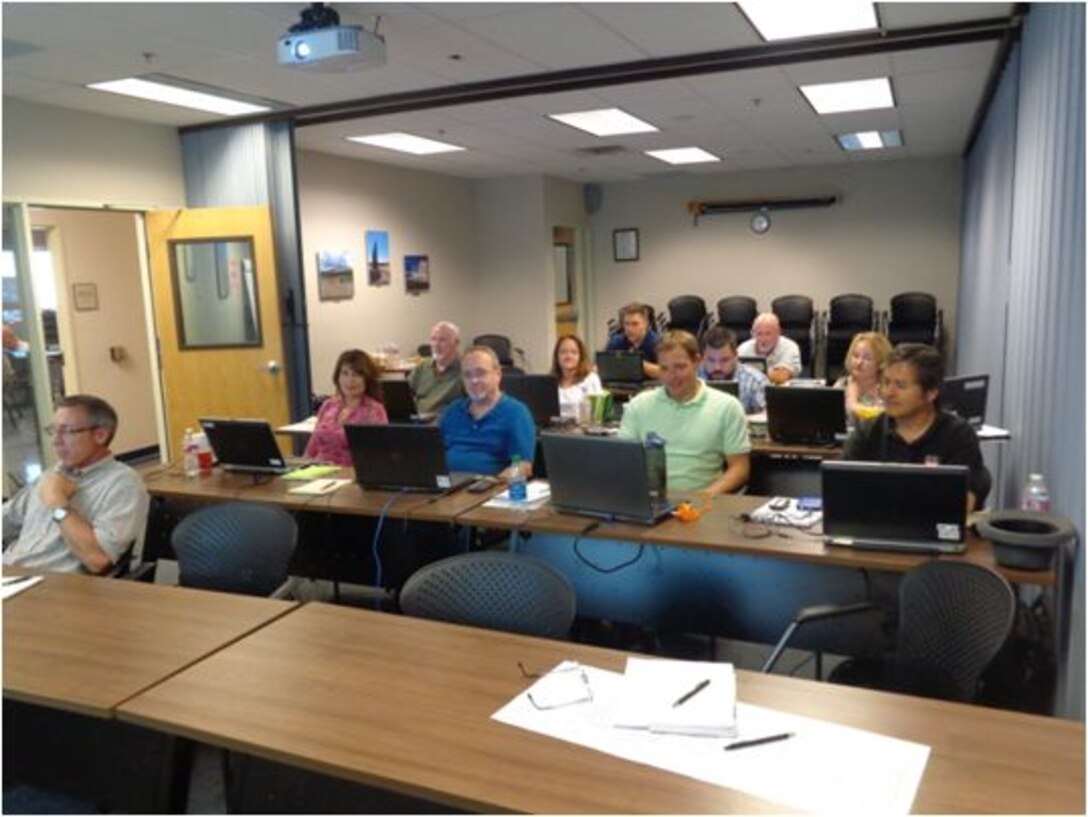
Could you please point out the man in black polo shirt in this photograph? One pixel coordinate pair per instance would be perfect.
(913, 428)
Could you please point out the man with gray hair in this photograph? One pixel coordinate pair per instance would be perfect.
(783, 355)
(436, 382)
(82, 515)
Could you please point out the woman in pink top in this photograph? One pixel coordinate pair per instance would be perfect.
(357, 400)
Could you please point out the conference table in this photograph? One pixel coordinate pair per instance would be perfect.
(76, 648)
(373, 705)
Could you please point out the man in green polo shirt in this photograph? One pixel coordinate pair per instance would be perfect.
(436, 381)
(705, 432)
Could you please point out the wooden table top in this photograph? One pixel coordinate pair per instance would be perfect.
(85, 644)
(405, 704)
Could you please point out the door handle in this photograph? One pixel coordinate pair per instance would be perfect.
(272, 367)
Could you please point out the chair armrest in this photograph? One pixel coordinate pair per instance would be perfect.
(285, 590)
(144, 572)
(806, 615)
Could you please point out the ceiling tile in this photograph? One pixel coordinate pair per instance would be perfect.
(908, 15)
(691, 27)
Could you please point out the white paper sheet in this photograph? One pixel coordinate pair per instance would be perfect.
(825, 767)
(13, 585)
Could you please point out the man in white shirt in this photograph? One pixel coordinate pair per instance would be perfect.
(783, 355)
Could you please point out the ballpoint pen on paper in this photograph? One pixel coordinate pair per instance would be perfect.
(691, 693)
(16, 580)
(744, 744)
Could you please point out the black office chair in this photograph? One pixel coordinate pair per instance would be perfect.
(847, 315)
(424, 350)
(505, 351)
(236, 547)
(796, 315)
(656, 321)
(738, 312)
(493, 589)
(915, 318)
(954, 617)
(688, 312)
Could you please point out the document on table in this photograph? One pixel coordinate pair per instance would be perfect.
(13, 585)
(537, 493)
(319, 487)
(681, 697)
(824, 767)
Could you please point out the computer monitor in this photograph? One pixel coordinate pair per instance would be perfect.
(966, 395)
(401, 457)
(810, 415)
(244, 445)
(606, 477)
(895, 506)
(540, 392)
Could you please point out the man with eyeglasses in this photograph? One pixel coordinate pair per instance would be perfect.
(80, 516)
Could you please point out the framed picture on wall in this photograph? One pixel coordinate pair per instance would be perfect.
(85, 297)
(625, 244)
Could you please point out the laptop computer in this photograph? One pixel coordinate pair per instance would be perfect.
(728, 386)
(605, 477)
(244, 445)
(810, 415)
(620, 367)
(895, 506)
(756, 362)
(400, 403)
(402, 457)
(540, 392)
(965, 395)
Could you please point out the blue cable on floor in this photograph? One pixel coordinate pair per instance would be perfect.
(377, 541)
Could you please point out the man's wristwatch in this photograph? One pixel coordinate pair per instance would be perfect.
(60, 513)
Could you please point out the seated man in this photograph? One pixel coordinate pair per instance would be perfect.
(703, 429)
(720, 363)
(913, 428)
(83, 514)
(484, 431)
(437, 382)
(637, 336)
(782, 354)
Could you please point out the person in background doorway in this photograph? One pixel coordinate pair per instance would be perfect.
(782, 354)
(436, 382)
(637, 336)
(82, 515)
(865, 361)
(357, 400)
(720, 363)
(577, 380)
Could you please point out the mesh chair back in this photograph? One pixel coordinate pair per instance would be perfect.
(687, 312)
(954, 617)
(496, 590)
(501, 345)
(236, 547)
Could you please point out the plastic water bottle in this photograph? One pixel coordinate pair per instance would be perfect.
(519, 491)
(189, 452)
(1036, 496)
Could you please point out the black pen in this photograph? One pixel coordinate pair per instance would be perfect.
(17, 580)
(744, 744)
(687, 696)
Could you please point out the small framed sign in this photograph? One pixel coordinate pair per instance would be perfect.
(625, 244)
(85, 297)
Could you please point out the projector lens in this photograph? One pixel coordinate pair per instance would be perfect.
(302, 49)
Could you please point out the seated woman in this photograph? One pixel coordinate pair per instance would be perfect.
(357, 400)
(865, 361)
(570, 365)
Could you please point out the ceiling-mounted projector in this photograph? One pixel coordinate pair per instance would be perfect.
(319, 42)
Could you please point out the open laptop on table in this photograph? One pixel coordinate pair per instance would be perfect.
(728, 386)
(540, 392)
(756, 362)
(245, 445)
(620, 369)
(402, 457)
(809, 415)
(895, 506)
(605, 477)
(965, 395)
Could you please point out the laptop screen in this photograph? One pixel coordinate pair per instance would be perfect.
(882, 500)
(757, 363)
(619, 367)
(805, 415)
(728, 386)
(401, 457)
(965, 395)
(603, 476)
(244, 445)
(540, 392)
(399, 403)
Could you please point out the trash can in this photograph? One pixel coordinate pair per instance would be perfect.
(1025, 539)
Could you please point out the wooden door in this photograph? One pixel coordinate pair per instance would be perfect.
(203, 377)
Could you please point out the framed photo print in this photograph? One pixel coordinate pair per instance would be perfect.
(625, 244)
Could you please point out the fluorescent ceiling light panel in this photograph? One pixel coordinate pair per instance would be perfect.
(777, 20)
(604, 122)
(406, 143)
(683, 156)
(175, 95)
(870, 140)
(853, 95)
